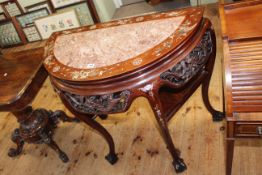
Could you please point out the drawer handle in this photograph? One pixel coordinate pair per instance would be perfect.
(259, 131)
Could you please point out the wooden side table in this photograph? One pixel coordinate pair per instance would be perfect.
(22, 76)
(242, 39)
(123, 61)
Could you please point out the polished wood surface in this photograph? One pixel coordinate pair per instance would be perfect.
(242, 42)
(18, 70)
(200, 139)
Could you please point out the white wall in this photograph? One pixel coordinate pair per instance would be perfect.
(105, 9)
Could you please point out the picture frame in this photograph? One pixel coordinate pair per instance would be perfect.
(64, 3)
(82, 11)
(57, 22)
(32, 33)
(12, 8)
(3, 16)
(40, 5)
(9, 35)
(28, 18)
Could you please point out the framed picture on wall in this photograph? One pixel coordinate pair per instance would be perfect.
(82, 12)
(3, 17)
(32, 34)
(28, 18)
(8, 34)
(57, 22)
(12, 8)
(40, 5)
(63, 3)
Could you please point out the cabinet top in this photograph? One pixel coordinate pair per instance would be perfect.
(117, 47)
(241, 20)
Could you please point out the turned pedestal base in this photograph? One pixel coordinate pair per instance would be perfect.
(37, 126)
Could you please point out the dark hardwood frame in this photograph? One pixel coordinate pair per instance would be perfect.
(3, 4)
(31, 12)
(18, 30)
(4, 16)
(156, 81)
(37, 32)
(93, 11)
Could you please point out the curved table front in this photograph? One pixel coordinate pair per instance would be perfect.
(101, 69)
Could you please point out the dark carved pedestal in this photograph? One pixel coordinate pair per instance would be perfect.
(37, 126)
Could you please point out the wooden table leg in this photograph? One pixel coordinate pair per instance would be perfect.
(217, 115)
(111, 157)
(229, 155)
(37, 126)
(156, 105)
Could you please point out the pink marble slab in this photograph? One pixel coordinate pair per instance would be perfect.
(107, 46)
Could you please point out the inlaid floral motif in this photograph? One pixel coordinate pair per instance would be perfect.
(56, 69)
(193, 16)
(79, 74)
(137, 61)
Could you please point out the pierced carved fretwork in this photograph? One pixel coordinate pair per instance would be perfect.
(182, 72)
(98, 104)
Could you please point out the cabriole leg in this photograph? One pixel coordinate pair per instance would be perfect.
(61, 154)
(217, 115)
(178, 162)
(18, 140)
(111, 157)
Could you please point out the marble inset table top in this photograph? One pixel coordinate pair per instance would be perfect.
(97, 48)
(110, 49)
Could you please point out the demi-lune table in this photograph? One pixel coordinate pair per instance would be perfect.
(100, 69)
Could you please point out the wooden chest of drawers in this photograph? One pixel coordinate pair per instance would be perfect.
(242, 44)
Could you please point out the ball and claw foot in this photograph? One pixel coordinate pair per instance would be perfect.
(63, 157)
(218, 116)
(179, 165)
(16, 138)
(111, 158)
(13, 152)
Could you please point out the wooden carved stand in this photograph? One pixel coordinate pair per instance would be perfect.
(23, 77)
(166, 82)
(37, 126)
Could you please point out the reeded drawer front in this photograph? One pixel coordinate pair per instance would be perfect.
(248, 129)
